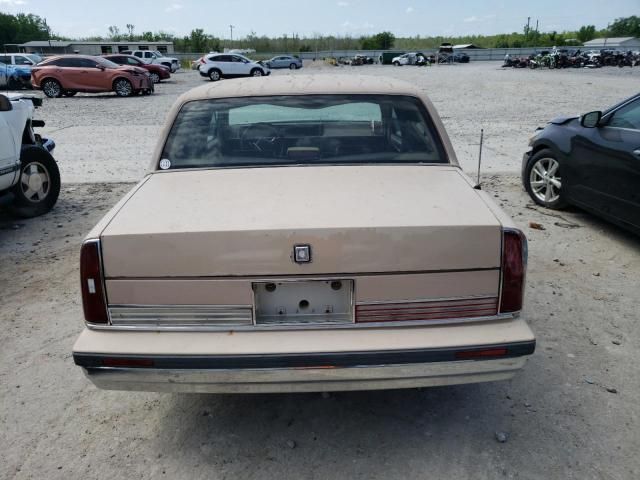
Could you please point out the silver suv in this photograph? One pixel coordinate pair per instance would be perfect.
(229, 65)
(154, 56)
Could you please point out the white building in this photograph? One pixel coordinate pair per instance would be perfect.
(617, 43)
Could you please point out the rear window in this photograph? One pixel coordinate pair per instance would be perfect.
(310, 129)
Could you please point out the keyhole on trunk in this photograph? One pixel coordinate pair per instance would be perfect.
(304, 304)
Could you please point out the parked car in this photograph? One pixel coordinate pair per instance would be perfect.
(70, 74)
(358, 256)
(591, 161)
(224, 65)
(14, 77)
(284, 61)
(28, 172)
(156, 72)
(411, 58)
(22, 59)
(460, 57)
(154, 56)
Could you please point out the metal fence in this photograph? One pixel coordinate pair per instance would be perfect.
(489, 54)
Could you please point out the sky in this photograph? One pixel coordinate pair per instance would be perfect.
(75, 19)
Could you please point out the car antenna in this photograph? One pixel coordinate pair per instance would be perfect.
(478, 186)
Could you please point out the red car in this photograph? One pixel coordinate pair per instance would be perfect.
(157, 72)
(69, 74)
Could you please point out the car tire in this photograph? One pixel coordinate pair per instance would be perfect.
(542, 180)
(69, 93)
(397, 64)
(123, 87)
(215, 74)
(52, 88)
(38, 186)
(155, 78)
(256, 72)
(293, 66)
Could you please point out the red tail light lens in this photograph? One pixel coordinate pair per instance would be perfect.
(93, 296)
(514, 267)
(203, 61)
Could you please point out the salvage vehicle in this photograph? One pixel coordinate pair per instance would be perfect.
(224, 65)
(14, 77)
(29, 175)
(69, 74)
(303, 234)
(284, 61)
(149, 56)
(591, 161)
(156, 72)
(22, 59)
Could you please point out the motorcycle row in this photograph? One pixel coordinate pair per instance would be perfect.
(574, 59)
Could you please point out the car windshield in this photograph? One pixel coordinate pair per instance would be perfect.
(310, 129)
(108, 63)
(157, 53)
(35, 58)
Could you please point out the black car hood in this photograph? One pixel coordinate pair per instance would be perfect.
(562, 120)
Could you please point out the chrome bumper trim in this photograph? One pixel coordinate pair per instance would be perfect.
(188, 316)
(283, 380)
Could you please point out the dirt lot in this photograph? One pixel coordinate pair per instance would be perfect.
(573, 413)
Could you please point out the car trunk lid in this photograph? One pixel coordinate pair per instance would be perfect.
(356, 219)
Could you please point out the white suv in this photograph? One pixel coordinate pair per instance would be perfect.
(229, 65)
(154, 56)
(28, 172)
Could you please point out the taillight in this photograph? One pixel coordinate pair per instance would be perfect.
(203, 61)
(93, 296)
(514, 267)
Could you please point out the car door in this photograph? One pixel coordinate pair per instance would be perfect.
(149, 57)
(239, 66)
(22, 61)
(620, 141)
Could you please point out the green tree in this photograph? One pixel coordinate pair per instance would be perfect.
(586, 33)
(625, 27)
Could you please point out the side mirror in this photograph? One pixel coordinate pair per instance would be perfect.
(591, 119)
(5, 104)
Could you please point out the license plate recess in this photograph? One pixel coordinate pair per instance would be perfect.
(303, 302)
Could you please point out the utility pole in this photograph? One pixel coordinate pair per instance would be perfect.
(537, 26)
(526, 33)
(231, 27)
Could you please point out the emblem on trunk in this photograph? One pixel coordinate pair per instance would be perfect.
(302, 253)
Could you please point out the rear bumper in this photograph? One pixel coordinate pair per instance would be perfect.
(304, 372)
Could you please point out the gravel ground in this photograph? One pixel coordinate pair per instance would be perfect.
(572, 413)
(102, 138)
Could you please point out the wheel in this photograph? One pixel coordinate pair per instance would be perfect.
(69, 93)
(38, 187)
(293, 66)
(397, 64)
(543, 181)
(123, 87)
(155, 78)
(256, 72)
(51, 88)
(215, 75)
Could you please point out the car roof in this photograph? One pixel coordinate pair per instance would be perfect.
(302, 84)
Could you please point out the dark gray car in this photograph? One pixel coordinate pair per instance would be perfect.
(285, 61)
(592, 161)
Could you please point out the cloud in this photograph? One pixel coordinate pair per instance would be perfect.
(409, 10)
(343, 4)
(475, 19)
(13, 3)
(357, 26)
(174, 7)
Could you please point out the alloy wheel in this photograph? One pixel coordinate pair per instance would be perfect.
(545, 180)
(123, 88)
(155, 78)
(257, 73)
(52, 89)
(35, 182)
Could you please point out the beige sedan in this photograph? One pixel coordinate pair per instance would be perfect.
(303, 233)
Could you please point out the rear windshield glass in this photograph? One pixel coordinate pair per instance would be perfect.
(310, 129)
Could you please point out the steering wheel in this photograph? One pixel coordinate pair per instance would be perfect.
(259, 137)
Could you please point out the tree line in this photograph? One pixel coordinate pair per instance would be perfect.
(22, 28)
